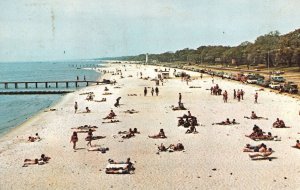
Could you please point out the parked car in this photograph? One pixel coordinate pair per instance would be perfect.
(278, 72)
(290, 87)
(251, 79)
(277, 79)
(263, 83)
(226, 75)
(274, 85)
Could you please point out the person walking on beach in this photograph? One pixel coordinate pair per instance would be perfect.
(242, 94)
(156, 91)
(76, 107)
(255, 97)
(238, 95)
(234, 94)
(74, 139)
(89, 137)
(152, 91)
(225, 96)
(180, 98)
(145, 91)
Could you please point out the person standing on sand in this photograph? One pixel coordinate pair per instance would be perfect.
(74, 139)
(156, 91)
(89, 137)
(255, 97)
(201, 76)
(180, 98)
(76, 107)
(234, 94)
(152, 91)
(145, 91)
(225, 96)
(242, 94)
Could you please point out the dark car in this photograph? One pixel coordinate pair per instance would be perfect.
(263, 83)
(290, 87)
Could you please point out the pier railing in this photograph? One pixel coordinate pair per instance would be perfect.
(46, 84)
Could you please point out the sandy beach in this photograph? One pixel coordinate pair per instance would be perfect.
(213, 158)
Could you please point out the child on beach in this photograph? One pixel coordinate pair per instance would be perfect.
(74, 140)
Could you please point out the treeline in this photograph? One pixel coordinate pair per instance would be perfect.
(270, 49)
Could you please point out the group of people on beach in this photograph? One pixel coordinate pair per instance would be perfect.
(156, 90)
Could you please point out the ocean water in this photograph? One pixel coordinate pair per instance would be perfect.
(15, 109)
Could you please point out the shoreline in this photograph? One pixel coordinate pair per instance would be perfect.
(208, 158)
(6, 135)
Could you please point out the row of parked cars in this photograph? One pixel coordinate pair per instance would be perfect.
(276, 82)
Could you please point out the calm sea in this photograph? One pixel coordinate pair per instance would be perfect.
(15, 109)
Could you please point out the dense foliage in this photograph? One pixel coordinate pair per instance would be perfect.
(271, 49)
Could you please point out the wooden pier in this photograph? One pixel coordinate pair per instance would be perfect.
(33, 92)
(46, 84)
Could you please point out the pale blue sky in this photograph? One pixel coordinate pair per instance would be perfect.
(39, 30)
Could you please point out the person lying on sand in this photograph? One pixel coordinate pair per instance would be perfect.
(226, 122)
(94, 138)
(111, 121)
(254, 116)
(265, 154)
(102, 100)
(128, 169)
(90, 97)
(84, 130)
(171, 148)
(131, 94)
(101, 149)
(30, 162)
(111, 115)
(107, 93)
(33, 139)
(161, 135)
(180, 122)
(192, 129)
(259, 148)
(132, 111)
(44, 158)
(279, 124)
(85, 127)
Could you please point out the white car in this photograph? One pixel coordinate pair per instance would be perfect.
(252, 81)
(274, 85)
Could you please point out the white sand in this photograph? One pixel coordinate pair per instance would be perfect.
(214, 146)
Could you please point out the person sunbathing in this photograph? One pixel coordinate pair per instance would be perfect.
(85, 127)
(162, 148)
(135, 131)
(111, 121)
(227, 122)
(106, 89)
(254, 116)
(177, 147)
(192, 129)
(161, 134)
(102, 100)
(297, 144)
(180, 122)
(44, 158)
(87, 110)
(111, 115)
(30, 162)
(128, 135)
(101, 149)
(131, 111)
(279, 124)
(250, 148)
(264, 154)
